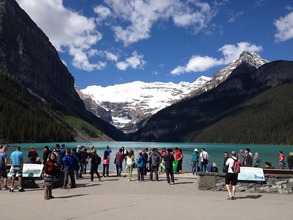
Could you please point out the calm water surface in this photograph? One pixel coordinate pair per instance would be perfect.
(216, 151)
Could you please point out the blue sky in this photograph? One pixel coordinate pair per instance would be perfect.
(107, 42)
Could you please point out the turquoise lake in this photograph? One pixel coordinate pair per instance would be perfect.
(216, 151)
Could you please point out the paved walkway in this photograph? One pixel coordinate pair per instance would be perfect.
(116, 198)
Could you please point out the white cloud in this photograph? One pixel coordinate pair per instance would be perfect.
(284, 27)
(102, 12)
(66, 29)
(141, 15)
(135, 61)
(81, 61)
(111, 56)
(231, 52)
(202, 63)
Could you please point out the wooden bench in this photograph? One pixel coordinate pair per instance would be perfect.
(278, 171)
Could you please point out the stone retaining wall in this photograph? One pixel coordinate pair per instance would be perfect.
(274, 183)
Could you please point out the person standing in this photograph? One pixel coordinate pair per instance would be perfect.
(130, 163)
(119, 160)
(154, 161)
(178, 156)
(241, 157)
(68, 169)
(106, 163)
(195, 161)
(32, 155)
(3, 165)
(225, 168)
(247, 158)
(290, 161)
(169, 159)
(281, 160)
(231, 177)
(16, 168)
(83, 157)
(204, 158)
(140, 166)
(146, 164)
(46, 152)
(50, 168)
(256, 160)
(95, 162)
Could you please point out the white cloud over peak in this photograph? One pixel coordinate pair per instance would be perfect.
(140, 16)
(230, 52)
(284, 27)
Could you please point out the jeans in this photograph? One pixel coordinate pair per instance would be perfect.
(169, 172)
(140, 173)
(118, 168)
(81, 167)
(69, 172)
(94, 170)
(105, 169)
(154, 169)
(203, 167)
(194, 167)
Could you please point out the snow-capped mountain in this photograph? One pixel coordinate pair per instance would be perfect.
(131, 103)
(251, 58)
(127, 106)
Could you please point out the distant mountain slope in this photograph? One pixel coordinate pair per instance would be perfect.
(127, 105)
(193, 119)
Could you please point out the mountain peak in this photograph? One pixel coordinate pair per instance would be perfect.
(245, 57)
(251, 58)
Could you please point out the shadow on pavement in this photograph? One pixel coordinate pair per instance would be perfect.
(249, 197)
(71, 196)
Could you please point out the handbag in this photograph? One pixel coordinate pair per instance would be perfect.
(48, 180)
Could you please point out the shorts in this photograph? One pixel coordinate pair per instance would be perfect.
(3, 172)
(231, 178)
(16, 170)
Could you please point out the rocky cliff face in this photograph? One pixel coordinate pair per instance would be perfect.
(28, 54)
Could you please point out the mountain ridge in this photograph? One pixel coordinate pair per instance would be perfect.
(191, 119)
(128, 105)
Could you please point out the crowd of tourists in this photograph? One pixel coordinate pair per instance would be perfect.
(73, 163)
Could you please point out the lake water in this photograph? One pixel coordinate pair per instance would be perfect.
(216, 151)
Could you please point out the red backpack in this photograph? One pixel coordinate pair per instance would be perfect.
(236, 166)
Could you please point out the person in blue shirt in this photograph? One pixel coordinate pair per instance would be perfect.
(140, 166)
(16, 170)
(68, 169)
(195, 161)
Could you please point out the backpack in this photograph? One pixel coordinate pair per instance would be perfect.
(236, 167)
(155, 159)
(98, 161)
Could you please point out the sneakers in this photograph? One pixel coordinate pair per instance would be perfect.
(11, 190)
(230, 198)
(21, 190)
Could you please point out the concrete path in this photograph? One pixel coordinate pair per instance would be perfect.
(117, 198)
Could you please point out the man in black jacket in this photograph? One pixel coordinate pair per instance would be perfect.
(169, 159)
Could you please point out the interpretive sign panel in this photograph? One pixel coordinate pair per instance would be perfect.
(251, 174)
(30, 170)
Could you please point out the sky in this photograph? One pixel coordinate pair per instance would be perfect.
(108, 42)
